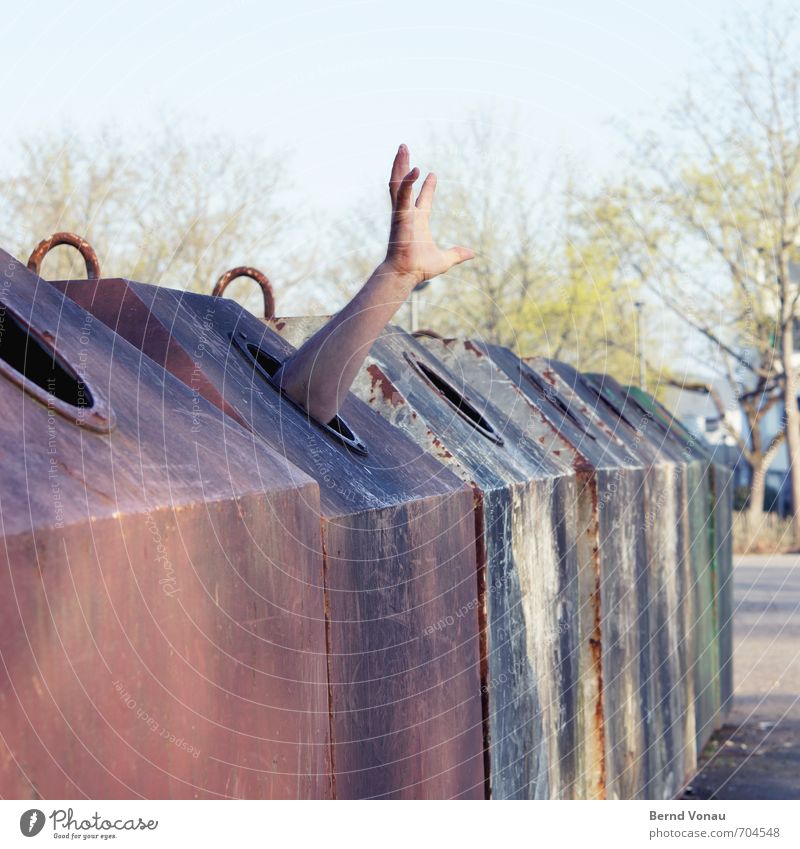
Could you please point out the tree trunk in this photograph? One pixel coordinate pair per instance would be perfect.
(755, 507)
(792, 427)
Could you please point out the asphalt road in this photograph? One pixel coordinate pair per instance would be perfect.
(756, 754)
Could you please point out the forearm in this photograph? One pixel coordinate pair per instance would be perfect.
(319, 374)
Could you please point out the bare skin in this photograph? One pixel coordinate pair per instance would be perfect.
(319, 374)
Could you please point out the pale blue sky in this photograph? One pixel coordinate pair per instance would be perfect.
(341, 83)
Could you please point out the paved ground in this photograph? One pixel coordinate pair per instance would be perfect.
(756, 754)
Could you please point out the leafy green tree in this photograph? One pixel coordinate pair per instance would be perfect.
(716, 211)
(540, 282)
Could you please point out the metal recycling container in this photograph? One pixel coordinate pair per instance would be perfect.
(661, 589)
(475, 366)
(612, 564)
(724, 486)
(714, 611)
(525, 521)
(701, 653)
(671, 753)
(162, 619)
(399, 550)
(669, 610)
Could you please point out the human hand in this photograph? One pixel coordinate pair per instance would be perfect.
(412, 252)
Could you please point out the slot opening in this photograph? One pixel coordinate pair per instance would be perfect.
(28, 359)
(455, 399)
(609, 399)
(337, 427)
(44, 368)
(555, 399)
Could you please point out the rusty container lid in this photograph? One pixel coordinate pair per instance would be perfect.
(695, 446)
(652, 435)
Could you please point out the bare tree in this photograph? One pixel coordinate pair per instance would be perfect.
(536, 283)
(170, 211)
(716, 229)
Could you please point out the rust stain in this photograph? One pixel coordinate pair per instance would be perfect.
(442, 450)
(599, 724)
(580, 464)
(470, 347)
(386, 386)
(595, 641)
(593, 489)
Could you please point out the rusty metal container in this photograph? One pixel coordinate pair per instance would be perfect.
(713, 528)
(666, 592)
(669, 744)
(162, 615)
(525, 515)
(399, 550)
(612, 560)
(697, 613)
(669, 611)
(474, 365)
(724, 485)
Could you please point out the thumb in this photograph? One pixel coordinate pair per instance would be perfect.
(458, 254)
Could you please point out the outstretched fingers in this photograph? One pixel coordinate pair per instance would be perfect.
(425, 198)
(399, 170)
(405, 192)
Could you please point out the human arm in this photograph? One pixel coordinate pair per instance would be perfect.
(319, 374)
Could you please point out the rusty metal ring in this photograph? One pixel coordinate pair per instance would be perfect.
(85, 249)
(253, 274)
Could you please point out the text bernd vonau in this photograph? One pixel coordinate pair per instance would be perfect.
(682, 815)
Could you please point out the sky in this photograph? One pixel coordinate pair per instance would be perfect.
(340, 84)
